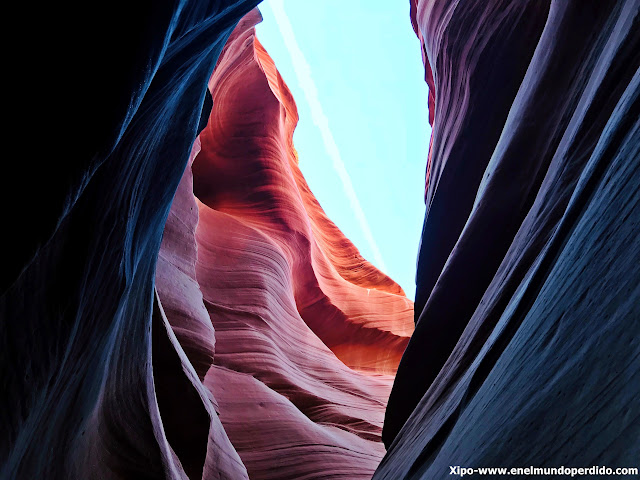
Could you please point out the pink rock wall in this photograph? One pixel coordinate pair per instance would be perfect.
(308, 334)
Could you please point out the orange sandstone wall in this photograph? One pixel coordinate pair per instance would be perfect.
(308, 334)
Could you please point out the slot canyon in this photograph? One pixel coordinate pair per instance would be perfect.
(176, 304)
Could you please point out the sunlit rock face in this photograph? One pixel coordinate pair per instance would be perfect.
(527, 313)
(308, 334)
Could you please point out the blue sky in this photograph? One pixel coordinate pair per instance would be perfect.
(356, 73)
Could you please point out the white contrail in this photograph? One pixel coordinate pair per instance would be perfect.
(303, 72)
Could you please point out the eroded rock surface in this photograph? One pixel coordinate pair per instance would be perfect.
(268, 348)
(308, 333)
(527, 312)
(94, 383)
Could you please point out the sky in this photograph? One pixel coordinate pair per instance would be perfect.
(355, 70)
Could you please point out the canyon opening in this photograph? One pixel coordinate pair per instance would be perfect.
(183, 298)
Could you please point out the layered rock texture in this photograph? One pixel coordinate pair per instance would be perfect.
(94, 383)
(307, 333)
(150, 333)
(528, 307)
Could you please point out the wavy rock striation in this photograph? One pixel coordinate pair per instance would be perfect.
(527, 313)
(308, 333)
(269, 346)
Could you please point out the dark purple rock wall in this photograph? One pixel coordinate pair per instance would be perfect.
(88, 359)
(526, 345)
